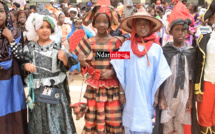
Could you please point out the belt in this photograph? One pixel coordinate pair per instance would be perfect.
(37, 76)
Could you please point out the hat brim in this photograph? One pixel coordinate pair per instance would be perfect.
(127, 22)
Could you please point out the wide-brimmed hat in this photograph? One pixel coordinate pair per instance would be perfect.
(210, 11)
(141, 14)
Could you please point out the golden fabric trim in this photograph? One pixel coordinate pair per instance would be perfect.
(198, 85)
(208, 128)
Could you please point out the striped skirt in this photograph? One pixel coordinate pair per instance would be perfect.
(104, 114)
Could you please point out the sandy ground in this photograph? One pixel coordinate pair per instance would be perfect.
(75, 91)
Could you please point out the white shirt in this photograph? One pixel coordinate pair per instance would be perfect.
(210, 60)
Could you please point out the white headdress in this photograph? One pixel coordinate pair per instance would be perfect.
(34, 22)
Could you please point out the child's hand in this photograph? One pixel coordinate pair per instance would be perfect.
(162, 103)
(30, 67)
(122, 98)
(62, 57)
(107, 74)
(81, 59)
(7, 33)
(189, 105)
(199, 98)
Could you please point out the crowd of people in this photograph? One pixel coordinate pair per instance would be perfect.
(166, 86)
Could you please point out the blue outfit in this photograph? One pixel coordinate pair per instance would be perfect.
(88, 34)
(140, 83)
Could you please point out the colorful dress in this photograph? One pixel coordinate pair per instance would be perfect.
(48, 118)
(140, 83)
(104, 111)
(13, 111)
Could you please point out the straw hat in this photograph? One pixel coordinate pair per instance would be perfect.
(142, 13)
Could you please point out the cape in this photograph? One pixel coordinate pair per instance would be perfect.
(190, 53)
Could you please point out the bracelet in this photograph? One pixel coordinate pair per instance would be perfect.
(121, 92)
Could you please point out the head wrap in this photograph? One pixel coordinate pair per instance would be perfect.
(160, 8)
(186, 23)
(75, 10)
(34, 22)
(89, 4)
(104, 9)
(16, 4)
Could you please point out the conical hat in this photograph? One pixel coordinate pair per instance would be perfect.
(142, 13)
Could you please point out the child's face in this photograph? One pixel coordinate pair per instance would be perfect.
(22, 19)
(142, 27)
(61, 18)
(45, 31)
(101, 23)
(152, 13)
(179, 33)
(32, 10)
(78, 25)
(2, 16)
(72, 15)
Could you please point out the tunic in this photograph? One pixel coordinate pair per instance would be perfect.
(140, 84)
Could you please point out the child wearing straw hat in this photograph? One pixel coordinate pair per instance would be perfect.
(140, 76)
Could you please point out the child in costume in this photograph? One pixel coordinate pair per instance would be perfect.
(205, 76)
(177, 92)
(104, 110)
(13, 111)
(48, 63)
(140, 76)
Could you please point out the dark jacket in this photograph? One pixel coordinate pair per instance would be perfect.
(200, 63)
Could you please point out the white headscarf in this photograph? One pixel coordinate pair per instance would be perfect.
(75, 10)
(33, 23)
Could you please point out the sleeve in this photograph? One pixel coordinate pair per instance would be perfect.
(119, 67)
(162, 72)
(71, 61)
(20, 52)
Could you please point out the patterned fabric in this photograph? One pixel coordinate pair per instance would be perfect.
(52, 119)
(104, 111)
(45, 58)
(100, 114)
(111, 45)
(102, 94)
(47, 118)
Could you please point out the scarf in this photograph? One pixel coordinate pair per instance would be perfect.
(170, 51)
(149, 40)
